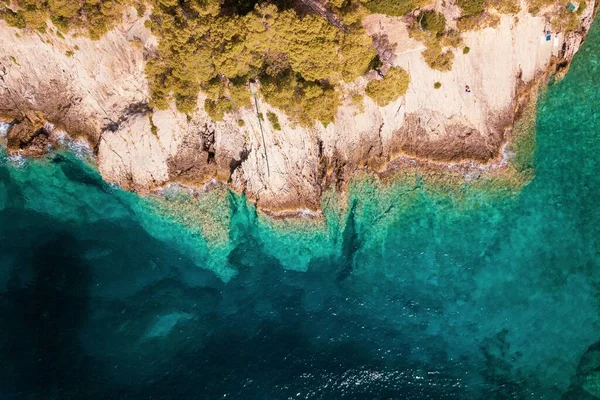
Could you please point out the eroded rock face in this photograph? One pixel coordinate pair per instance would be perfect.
(100, 92)
(83, 86)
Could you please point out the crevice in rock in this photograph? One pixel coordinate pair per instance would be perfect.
(208, 143)
(140, 108)
(236, 163)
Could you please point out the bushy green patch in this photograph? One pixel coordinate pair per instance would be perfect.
(306, 101)
(437, 85)
(565, 20)
(272, 117)
(393, 7)
(153, 128)
(466, 50)
(433, 21)
(504, 6)
(477, 22)
(358, 101)
(298, 61)
(92, 17)
(437, 58)
(535, 5)
(438, 54)
(391, 87)
(221, 97)
(471, 7)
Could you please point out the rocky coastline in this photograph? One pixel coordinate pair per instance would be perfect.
(96, 92)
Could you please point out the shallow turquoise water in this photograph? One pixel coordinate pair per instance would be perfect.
(413, 294)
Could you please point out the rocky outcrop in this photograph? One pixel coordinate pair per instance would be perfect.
(98, 90)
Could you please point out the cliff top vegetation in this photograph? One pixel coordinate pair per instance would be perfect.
(299, 51)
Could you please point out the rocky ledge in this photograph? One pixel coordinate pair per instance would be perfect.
(97, 91)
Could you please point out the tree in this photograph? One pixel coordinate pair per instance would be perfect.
(391, 87)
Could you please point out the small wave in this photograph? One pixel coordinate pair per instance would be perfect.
(17, 160)
(79, 147)
(4, 127)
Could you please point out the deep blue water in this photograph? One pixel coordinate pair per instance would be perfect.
(414, 292)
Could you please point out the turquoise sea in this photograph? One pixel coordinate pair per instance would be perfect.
(409, 292)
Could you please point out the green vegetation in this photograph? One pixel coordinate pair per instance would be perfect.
(471, 7)
(307, 101)
(357, 100)
(433, 21)
(438, 58)
(222, 97)
(475, 15)
(298, 61)
(477, 22)
(437, 85)
(92, 17)
(536, 5)
(272, 117)
(69, 53)
(153, 128)
(504, 6)
(241, 123)
(430, 29)
(438, 54)
(394, 7)
(565, 20)
(466, 50)
(14, 60)
(392, 86)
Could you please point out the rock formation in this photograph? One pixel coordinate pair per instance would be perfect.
(98, 90)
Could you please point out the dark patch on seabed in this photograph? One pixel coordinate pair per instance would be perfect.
(419, 298)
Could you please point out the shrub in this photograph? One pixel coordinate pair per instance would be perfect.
(437, 85)
(396, 8)
(433, 21)
(477, 22)
(504, 6)
(471, 7)
(466, 50)
(536, 5)
(304, 102)
(358, 101)
(293, 56)
(93, 17)
(437, 58)
(153, 128)
(272, 117)
(392, 86)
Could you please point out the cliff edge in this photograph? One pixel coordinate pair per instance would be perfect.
(98, 90)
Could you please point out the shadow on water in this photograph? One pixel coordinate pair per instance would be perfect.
(78, 172)
(44, 307)
(350, 244)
